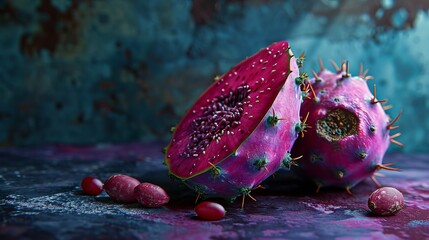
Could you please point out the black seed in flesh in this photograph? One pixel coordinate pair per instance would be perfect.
(220, 116)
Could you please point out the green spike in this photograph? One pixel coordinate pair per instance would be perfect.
(261, 163)
(272, 120)
(300, 60)
(301, 126)
(301, 78)
(200, 190)
(362, 155)
(172, 129)
(288, 161)
(245, 190)
(304, 94)
(216, 171)
(164, 149)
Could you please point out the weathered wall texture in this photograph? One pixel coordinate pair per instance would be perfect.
(86, 71)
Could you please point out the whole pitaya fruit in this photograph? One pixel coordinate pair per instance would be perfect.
(349, 130)
(240, 129)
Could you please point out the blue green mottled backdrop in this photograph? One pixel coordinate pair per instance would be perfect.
(87, 71)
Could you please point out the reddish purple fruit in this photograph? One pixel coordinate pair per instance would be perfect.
(386, 201)
(151, 195)
(240, 129)
(92, 186)
(210, 211)
(121, 188)
(349, 130)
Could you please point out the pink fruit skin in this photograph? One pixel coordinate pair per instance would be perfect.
(151, 195)
(239, 171)
(210, 211)
(121, 188)
(386, 201)
(344, 162)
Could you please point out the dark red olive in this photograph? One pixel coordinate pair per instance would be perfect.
(92, 186)
(210, 211)
(151, 195)
(121, 188)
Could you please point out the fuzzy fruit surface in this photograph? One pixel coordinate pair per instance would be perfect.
(92, 186)
(210, 211)
(121, 188)
(349, 132)
(151, 195)
(386, 201)
(227, 143)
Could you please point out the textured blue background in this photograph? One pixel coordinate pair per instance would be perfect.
(118, 71)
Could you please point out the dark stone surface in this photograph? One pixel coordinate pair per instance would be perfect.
(40, 198)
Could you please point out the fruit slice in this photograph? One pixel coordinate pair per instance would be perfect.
(241, 127)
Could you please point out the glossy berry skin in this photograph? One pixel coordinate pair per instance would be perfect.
(121, 188)
(151, 195)
(92, 186)
(386, 201)
(210, 211)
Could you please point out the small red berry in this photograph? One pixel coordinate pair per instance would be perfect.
(92, 186)
(386, 201)
(210, 211)
(151, 195)
(121, 188)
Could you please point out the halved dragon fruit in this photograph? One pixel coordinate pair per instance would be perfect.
(349, 132)
(241, 128)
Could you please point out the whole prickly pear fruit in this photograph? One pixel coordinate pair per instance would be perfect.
(349, 132)
(240, 128)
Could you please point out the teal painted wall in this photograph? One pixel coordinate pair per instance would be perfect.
(117, 71)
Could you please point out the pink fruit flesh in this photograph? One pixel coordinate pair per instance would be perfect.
(92, 186)
(151, 195)
(386, 201)
(210, 211)
(121, 188)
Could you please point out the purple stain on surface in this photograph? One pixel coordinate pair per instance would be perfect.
(416, 193)
(360, 222)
